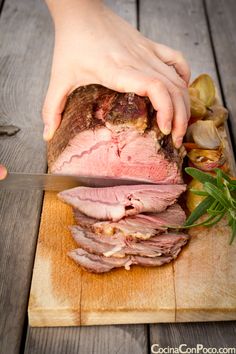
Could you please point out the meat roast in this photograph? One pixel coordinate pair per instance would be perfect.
(106, 133)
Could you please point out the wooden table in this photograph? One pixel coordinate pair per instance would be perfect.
(205, 31)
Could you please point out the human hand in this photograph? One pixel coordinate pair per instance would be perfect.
(94, 45)
(3, 172)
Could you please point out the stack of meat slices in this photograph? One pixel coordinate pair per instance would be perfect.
(125, 225)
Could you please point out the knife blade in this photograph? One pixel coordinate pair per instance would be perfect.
(56, 182)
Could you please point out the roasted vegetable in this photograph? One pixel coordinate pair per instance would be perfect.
(192, 199)
(190, 146)
(206, 87)
(206, 160)
(198, 109)
(194, 92)
(204, 134)
(217, 114)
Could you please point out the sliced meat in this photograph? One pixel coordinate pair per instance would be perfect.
(101, 264)
(107, 133)
(119, 245)
(141, 226)
(116, 202)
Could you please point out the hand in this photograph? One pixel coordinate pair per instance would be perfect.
(94, 45)
(3, 172)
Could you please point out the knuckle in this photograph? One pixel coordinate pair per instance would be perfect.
(156, 83)
(181, 128)
(177, 92)
(169, 112)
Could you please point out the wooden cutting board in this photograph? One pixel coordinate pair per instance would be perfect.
(199, 286)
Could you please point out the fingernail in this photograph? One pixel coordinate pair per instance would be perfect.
(178, 142)
(3, 172)
(167, 129)
(46, 132)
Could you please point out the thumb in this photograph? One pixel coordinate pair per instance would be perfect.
(53, 107)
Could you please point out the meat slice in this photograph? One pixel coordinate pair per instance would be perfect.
(101, 264)
(141, 226)
(116, 202)
(119, 246)
(107, 133)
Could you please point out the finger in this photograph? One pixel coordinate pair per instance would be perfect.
(53, 107)
(177, 94)
(161, 101)
(131, 80)
(175, 58)
(3, 172)
(187, 103)
(180, 120)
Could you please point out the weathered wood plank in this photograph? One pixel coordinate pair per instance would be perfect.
(221, 15)
(1, 5)
(188, 32)
(123, 339)
(105, 339)
(124, 8)
(181, 25)
(24, 61)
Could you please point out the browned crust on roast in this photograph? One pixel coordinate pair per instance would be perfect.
(77, 116)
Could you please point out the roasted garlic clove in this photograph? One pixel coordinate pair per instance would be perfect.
(205, 85)
(198, 109)
(194, 92)
(217, 114)
(204, 134)
(206, 160)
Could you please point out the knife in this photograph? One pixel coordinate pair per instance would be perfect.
(56, 182)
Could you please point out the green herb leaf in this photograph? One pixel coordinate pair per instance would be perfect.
(220, 199)
(215, 212)
(219, 178)
(215, 221)
(198, 192)
(200, 175)
(199, 211)
(218, 171)
(233, 232)
(217, 194)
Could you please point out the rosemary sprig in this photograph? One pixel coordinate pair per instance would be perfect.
(220, 199)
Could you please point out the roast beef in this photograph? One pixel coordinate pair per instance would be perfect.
(116, 202)
(107, 133)
(101, 264)
(142, 226)
(118, 245)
